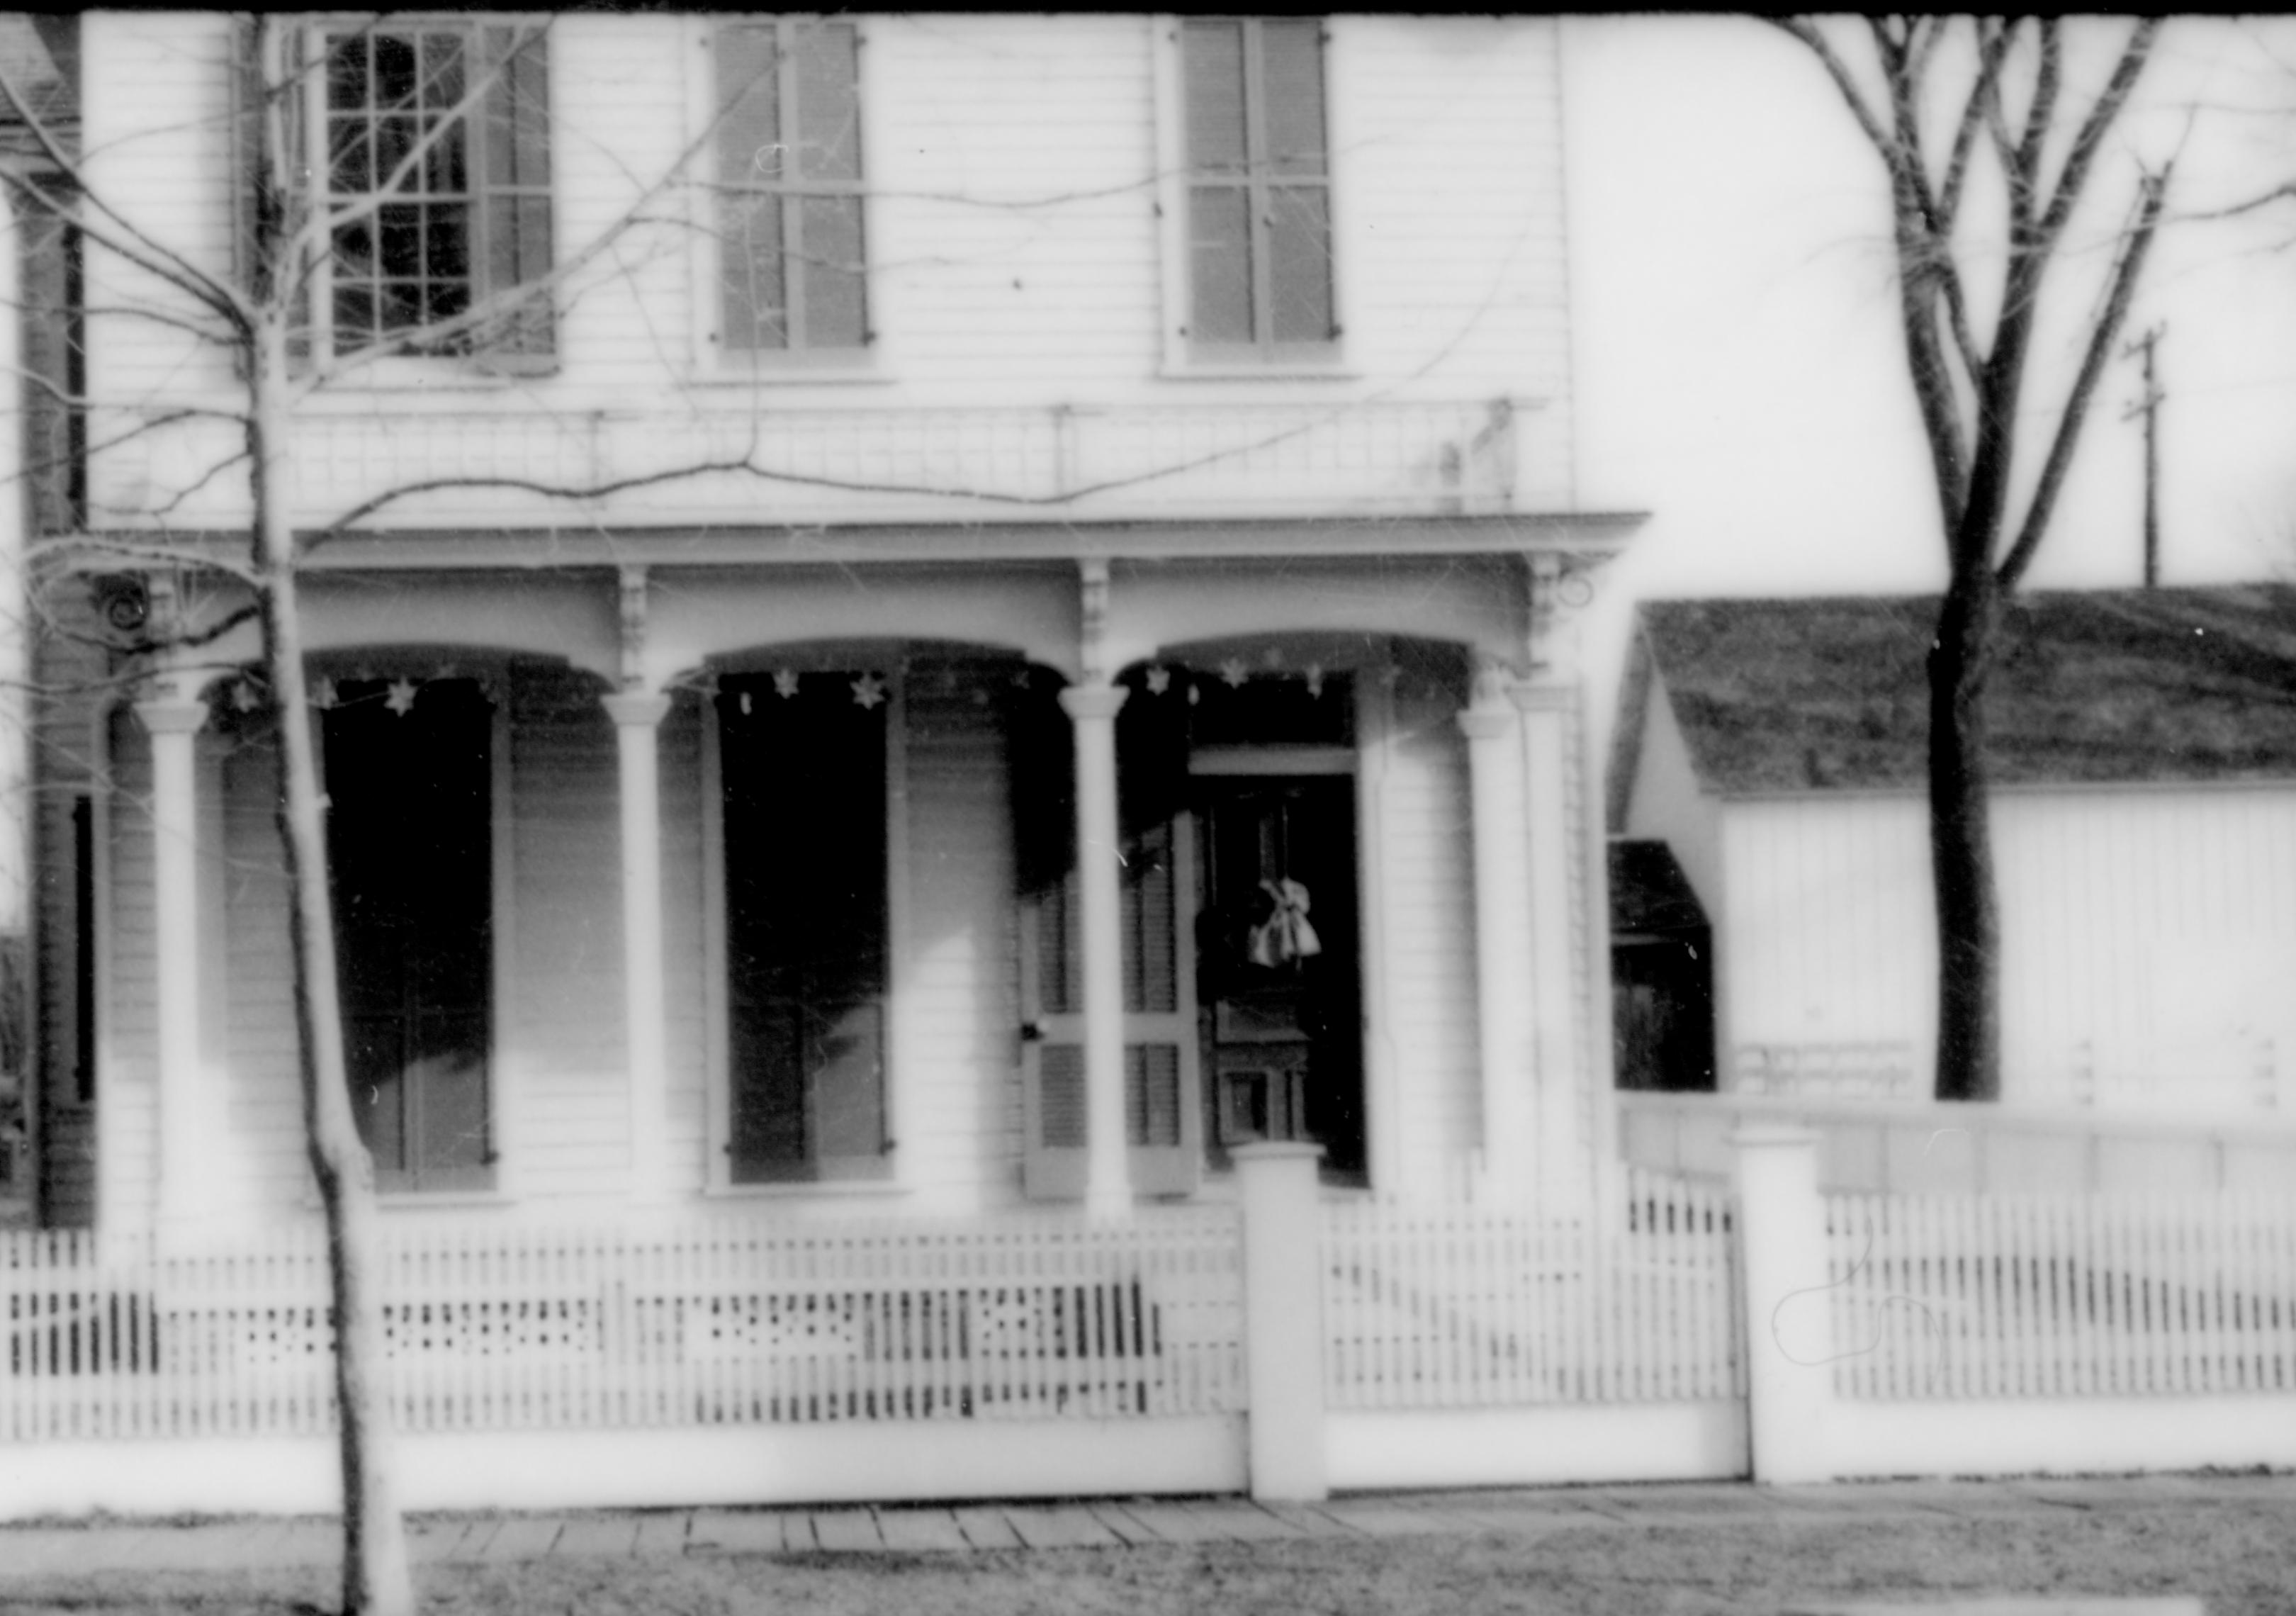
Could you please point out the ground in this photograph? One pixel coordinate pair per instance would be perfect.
(1707, 1553)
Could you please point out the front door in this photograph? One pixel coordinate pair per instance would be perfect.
(1282, 1014)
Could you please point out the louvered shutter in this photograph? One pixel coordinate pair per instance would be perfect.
(514, 250)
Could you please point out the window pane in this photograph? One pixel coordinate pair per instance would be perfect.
(442, 71)
(396, 72)
(749, 93)
(833, 284)
(1300, 263)
(828, 112)
(1292, 58)
(447, 243)
(1212, 66)
(750, 230)
(1219, 238)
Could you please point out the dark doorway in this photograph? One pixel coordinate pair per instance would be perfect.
(802, 760)
(1661, 972)
(410, 784)
(1279, 998)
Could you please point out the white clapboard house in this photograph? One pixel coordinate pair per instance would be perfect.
(986, 623)
(1770, 761)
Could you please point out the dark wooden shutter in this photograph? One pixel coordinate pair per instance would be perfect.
(514, 250)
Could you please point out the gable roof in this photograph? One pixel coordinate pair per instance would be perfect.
(2093, 686)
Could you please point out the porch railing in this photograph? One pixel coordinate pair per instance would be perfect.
(717, 1323)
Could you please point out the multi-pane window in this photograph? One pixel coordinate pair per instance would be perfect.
(792, 266)
(1259, 190)
(432, 183)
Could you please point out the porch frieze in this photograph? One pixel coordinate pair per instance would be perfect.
(635, 709)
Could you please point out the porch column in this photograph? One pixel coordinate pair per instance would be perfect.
(183, 1125)
(637, 716)
(1562, 1071)
(1502, 948)
(1093, 708)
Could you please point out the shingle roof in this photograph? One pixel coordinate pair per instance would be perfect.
(2104, 686)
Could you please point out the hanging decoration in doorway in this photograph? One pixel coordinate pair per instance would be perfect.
(1316, 680)
(323, 695)
(785, 683)
(244, 696)
(1159, 679)
(401, 698)
(1233, 674)
(868, 691)
(1285, 936)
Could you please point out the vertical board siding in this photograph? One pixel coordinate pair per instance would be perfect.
(686, 1137)
(2040, 1296)
(265, 1105)
(2147, 935)
(1458, 1307)
(708, 1323)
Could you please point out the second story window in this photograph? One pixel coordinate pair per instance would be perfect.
(1259, 188)
(429, 181)
(792, 280)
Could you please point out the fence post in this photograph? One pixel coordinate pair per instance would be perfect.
(1789, 1329)
(1284, 1319)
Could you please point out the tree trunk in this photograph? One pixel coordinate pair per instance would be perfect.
(377, 1580)
(1961, 843)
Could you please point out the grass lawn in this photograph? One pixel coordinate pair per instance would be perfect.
(2238, 1556)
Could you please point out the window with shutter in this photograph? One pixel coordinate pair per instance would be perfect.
(421, 151)
(792, 258)
(1258, 210)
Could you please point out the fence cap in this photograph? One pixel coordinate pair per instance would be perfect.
(1772, 1136)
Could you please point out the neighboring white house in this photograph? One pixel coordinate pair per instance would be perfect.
(2144, 756)
(1167, 415)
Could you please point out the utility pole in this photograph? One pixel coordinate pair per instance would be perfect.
(2149, 406)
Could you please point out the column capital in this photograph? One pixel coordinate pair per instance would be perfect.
(172, 714)
(635, 709)
(1083, 702)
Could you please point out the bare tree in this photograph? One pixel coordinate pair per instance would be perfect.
(1967, 113)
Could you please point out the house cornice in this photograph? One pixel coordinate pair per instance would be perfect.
(1592, 535)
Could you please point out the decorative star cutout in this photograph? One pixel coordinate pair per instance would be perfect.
(323, 694)
(868, 691)
(1160, 680)
(1316, 679)
(1232, 673)
(1195, 694)
(1273, 656)
(785, 683)
(401, 698)
(243, 698)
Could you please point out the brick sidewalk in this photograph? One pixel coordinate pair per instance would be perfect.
(1095, 1524)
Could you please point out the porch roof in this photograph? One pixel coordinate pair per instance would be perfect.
(2098, 686)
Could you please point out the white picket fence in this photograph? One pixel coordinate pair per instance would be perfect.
(2052, 1296)
(722, 1322)
(1452, 1306)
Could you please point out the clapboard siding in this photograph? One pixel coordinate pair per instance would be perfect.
(565, 1046)
(127, 1163)
(264, 1106)
(1429, 884)
(959, 1018)
(1016, 251)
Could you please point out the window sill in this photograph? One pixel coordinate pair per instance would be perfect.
(729, 377)
(1275, 370)
(392, 1201)
(843, 1189)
